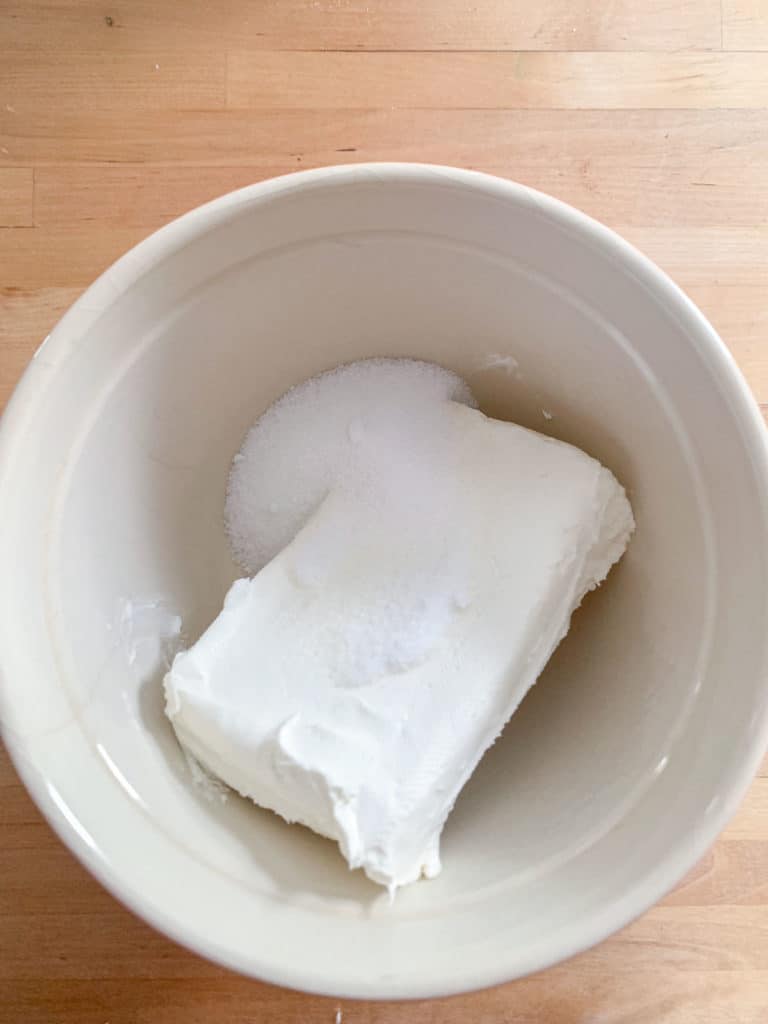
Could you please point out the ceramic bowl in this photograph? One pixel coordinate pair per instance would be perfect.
(628, 756)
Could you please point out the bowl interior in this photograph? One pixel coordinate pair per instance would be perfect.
(604, 783)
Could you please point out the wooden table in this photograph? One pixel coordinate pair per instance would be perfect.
(116, 116)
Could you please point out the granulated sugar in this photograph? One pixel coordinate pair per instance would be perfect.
(338, 430)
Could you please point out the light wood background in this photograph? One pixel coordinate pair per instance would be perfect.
(651, 115)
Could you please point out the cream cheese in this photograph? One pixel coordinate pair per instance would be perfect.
(416, 563)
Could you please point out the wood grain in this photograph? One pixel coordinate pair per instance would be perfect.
(17, 190)
(111, 82)
(198, 26)
(495, 81)
(117, 117)
(745, 24)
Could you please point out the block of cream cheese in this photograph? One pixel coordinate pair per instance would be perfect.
(416, 564)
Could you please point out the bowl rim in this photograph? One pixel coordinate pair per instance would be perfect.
(138, 261)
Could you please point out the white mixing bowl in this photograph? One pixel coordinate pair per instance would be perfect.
(631, 752)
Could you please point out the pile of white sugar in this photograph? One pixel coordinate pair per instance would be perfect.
(364, 427)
